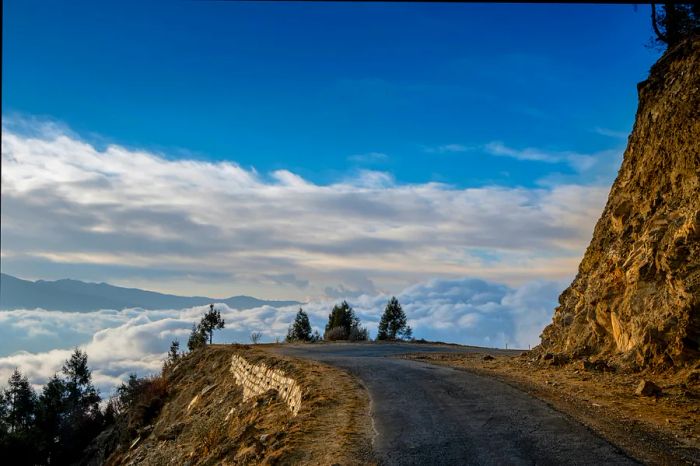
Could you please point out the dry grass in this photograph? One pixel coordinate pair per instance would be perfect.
(663, 430)
(205, 420)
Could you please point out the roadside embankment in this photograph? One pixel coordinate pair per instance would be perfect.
(235, 404)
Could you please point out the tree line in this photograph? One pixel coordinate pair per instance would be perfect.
(54, 426)
(343, 324)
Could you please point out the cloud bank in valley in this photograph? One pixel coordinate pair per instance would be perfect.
(462, 310)
(137, 218)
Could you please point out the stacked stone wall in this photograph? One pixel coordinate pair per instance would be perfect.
(259, 378)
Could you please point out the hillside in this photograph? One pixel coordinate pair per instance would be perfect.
(201, 412)
(74, 295)
(635, 302)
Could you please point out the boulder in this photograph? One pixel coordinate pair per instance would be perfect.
(647, 388)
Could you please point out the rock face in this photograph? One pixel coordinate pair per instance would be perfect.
(636, 298)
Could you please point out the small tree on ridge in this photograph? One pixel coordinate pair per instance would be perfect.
(393, 323)
(211, 321)
(300, 330)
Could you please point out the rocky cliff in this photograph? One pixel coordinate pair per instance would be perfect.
(635, 301)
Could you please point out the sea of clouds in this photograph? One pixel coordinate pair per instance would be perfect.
(120, 342)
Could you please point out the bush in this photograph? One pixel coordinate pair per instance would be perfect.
(358, 334)
(255, 337)
(137, 403)
(343, 324)
(336, 333)
(198, 338)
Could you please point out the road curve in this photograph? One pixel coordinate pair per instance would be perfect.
(425, 414)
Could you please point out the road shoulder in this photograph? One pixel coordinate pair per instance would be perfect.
(653, 430)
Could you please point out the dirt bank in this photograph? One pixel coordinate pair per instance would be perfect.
(205, 419)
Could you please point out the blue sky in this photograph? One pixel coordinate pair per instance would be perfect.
(306, 150)
(327, 89)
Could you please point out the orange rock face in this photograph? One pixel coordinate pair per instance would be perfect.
(636, 298)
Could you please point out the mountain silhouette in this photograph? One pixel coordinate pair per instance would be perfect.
(75, 295)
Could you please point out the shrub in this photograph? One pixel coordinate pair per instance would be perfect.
(343, 317)
(137, 403)
(197, 339)
(336, 333)
(255, 337)
(358, 334)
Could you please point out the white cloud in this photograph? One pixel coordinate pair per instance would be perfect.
(611, 133)
(538, 155)
(446, 148)
(136, 218)
(369, 157)
(598, 167)
(460, 310)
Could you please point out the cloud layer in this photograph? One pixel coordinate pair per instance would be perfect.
(461, 310)
(137, 218)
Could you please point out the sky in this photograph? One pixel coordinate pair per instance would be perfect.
(315, 151)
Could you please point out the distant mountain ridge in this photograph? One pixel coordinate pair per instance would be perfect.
(75, 295)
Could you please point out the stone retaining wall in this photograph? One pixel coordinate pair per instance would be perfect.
(259, 378)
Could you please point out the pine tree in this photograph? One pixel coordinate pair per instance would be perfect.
(197, 338)
(128, 392)
(173, 353)
(211, 321)
(343, 324)
(675, 21)
(82, 413)
(19, 440)
(340, 322)
(50, 418)
(300, 330)
(20, 401)
(393, 322)
(81, 395)
(4, 428)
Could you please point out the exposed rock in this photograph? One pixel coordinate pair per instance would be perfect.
(206, 389)
(636, 297)
(557, 359)
(693, 377)
(647, 388)
(488, 357)
(134, 443)
(595, 365)
(193, 402)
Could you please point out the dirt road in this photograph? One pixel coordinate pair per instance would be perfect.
(425, 414)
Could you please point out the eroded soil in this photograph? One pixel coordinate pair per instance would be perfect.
(206, 421)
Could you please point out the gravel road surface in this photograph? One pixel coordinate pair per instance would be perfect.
(425, 414)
